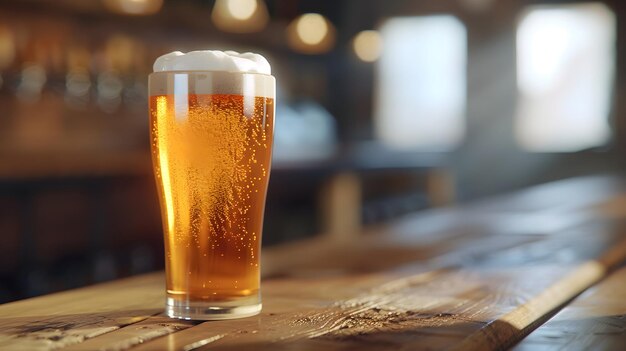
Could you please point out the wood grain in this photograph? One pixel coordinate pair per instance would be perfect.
(595, 320)
(478, 306)
(379, 304)
(474, 277)
(131, 335)
(59, 320)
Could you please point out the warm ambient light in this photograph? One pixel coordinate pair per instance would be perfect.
(312, 28)
(7, 48)
(311, 33)
(367, 45)
(240, 16)
(242, 9)
(134, 7)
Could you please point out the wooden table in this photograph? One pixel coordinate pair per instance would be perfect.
(481, 276)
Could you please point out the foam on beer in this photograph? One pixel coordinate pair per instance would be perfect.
(212, 60)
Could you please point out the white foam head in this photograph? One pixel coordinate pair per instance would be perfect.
(212, 60)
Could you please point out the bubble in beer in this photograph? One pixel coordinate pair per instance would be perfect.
(212, 165)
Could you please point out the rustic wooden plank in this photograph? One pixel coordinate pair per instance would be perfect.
(113, 296)
(421, 312)
(479, 306)
(132, 334)
(511, 327)
(595, 320)
(435, 308)
(428, 280)
(62, 319)
(123, 336)
(357, 261)
(562, 195)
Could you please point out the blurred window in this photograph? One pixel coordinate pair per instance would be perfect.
(565, 65)
(421, 83)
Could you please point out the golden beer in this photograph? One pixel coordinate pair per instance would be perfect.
(212, 156)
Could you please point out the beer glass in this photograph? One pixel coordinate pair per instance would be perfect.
(211, 140)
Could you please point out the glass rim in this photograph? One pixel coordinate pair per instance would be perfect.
(210, 71)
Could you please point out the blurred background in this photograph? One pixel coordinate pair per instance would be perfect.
(384, 108)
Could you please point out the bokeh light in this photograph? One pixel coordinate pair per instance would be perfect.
(311, 33)
(240, 16)
(242, 9)
(367, 45)
(134, 7)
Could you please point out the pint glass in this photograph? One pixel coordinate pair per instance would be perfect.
(211, 140)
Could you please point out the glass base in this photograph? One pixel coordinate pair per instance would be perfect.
(211, 310)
